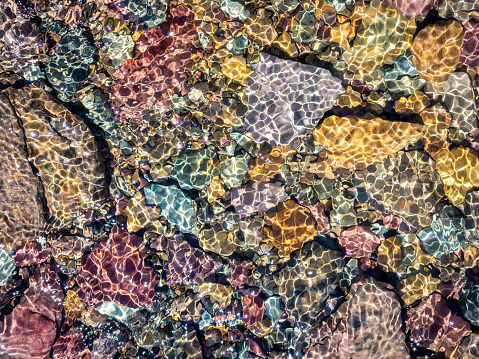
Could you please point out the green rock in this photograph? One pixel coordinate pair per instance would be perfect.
(234, 169)
(119, 48)
(195, 169)
(178, 208)
(7, 266)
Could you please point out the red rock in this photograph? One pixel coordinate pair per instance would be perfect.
(70, 343)
(29, 253)
(239, 272)
(162, 56)
(253, 309)
(31, 328)
(115, 271)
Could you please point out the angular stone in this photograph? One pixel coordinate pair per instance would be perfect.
(436, 50)
(355, 143)
(459, 171)
(178, 208)
(64, 152)
(116, 271)
(457, 95)
(432, 325)
(285, 98)
(405, 184)
(368, 322)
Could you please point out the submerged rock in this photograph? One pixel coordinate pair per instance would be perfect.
(436, 50)
(286, 98)
(177, 207)
(432, 325)
(457, 95)
(20, 188)
(116, 271)
(405, 184)
(63, 151)
(354, 143)
(368, 322)
(376, 44)
(31, 328)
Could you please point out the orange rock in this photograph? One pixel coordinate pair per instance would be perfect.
(436, 50)
(354, 143)
(289, 228)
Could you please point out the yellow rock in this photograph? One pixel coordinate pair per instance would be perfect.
(235, 68)
(354, 143)
(459, 171)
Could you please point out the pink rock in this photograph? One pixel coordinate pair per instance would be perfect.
(115, 271)
(158, 70)
(239, 272)
(187, 264)
(70, 343)
(358, 242)
(29, 253)
(253, 309)
(431, 324)
(31, 328)
(470, 48)
(411, 8)
(322, 220)
(367, 325)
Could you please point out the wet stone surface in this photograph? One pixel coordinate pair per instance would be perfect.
(238, 179)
